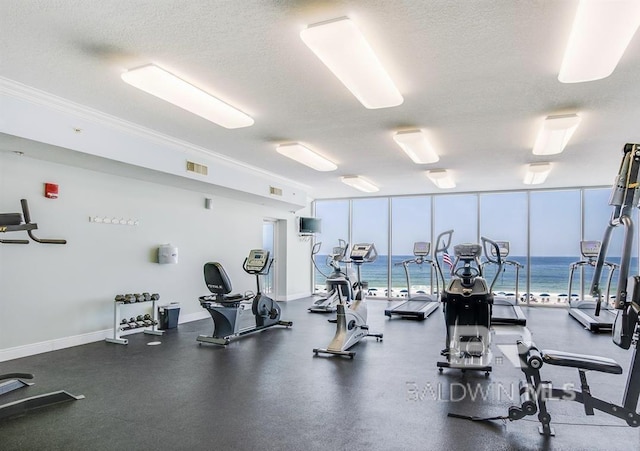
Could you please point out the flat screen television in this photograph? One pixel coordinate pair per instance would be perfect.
(309, 226)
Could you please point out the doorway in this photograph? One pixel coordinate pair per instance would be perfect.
(270, 243)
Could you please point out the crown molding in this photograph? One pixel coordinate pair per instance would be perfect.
(42, 98)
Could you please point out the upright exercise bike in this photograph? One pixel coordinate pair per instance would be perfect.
(235, 315)
(467, 309)
(337, 281)
(351, 320)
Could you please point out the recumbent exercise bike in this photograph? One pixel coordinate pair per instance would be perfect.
(231, 314)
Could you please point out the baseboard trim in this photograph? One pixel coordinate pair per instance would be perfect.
(53, 345)
(76, 340)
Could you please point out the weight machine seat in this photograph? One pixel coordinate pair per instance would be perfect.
(216, 279)
(581, 361)
(7, 219)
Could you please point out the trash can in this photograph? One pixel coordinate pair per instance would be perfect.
(168, 315)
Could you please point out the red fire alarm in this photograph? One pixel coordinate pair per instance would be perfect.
(50, 190)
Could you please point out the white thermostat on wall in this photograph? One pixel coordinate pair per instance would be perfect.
(167, 254)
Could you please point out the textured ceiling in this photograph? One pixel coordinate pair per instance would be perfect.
(479, 76)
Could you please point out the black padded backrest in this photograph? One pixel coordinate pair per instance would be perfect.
(216, 279)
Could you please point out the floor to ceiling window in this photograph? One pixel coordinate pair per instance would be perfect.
(334, 217)
(503, 217)
(411, 223)
(370, 224)
(544, 230)
(555, 233)
(457, 212)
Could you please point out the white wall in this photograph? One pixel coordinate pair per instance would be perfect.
(49, 293)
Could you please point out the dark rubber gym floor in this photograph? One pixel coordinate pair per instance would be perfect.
(267, 391)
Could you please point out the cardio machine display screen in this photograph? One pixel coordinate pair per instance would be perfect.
(503, 246)
(361, 252)
(421, 248)
(590, 248)
(467, 250)
(257, 259)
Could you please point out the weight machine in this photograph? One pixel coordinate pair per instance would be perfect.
(534, 391)
(12, 222)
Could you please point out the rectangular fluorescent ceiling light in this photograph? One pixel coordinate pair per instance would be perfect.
(168, 87)
(303, 155)
(537, 173)
(555, 134)
(360, 183)
(601, 33)
(441, 178)
(344, 50)
(415, 144)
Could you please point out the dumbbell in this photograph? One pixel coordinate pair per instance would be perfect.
(119, 298)
(146, 296)
(147, 320)
(138, 297)
(140, 321)
(129, 298)
(132, 323)
(124, 324)
(155, 296)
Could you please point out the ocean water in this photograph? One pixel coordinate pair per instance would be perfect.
(548, 274)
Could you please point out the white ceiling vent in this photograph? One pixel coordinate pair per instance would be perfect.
(197, 168)
(275, 191)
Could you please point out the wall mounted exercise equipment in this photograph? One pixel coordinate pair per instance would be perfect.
(12, 222)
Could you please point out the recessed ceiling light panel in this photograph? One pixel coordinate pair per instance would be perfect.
(340, 45)
(303, 155)
(357, 182)
(441, 178)
(537, 173)
(601, 33)
(416, 145)
(168, 87)
(555, 134)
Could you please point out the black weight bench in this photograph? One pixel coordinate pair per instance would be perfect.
(582, 362)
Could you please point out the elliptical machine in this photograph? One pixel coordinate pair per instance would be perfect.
(230, 312)
(467, 309)
(338, 280)
(351, 320)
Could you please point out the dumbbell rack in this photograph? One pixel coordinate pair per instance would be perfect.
(117, 332)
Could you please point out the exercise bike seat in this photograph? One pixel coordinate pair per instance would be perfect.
(581, 361)
(216, 279)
